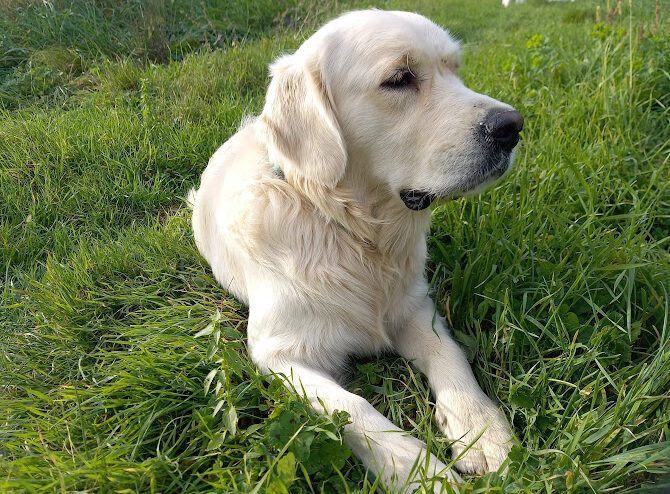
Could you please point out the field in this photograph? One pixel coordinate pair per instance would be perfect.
(123, 365)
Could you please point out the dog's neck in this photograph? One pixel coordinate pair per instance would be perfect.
(366, 209)
(396, 228)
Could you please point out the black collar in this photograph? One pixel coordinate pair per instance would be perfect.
(278, 171)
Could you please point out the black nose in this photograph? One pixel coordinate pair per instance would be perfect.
(504, 127)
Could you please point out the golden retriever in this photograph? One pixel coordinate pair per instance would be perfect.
(315, 215)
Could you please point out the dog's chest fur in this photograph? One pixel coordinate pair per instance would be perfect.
(358, 281)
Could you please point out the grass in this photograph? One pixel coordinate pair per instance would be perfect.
(123, 365)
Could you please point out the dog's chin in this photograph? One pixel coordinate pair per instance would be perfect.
(477, 181)
(481, 177)
(479, 186)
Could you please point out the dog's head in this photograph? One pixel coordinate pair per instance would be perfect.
(375, 96)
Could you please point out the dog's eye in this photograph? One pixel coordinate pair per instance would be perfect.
(402, 79)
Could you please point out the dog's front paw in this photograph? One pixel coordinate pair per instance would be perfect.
(463, 416)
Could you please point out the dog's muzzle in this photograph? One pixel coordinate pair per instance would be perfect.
(499, 133)
(416, 200)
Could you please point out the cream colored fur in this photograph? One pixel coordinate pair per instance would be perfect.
(329, 259)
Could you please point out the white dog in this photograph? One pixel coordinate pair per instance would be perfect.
(315, 214)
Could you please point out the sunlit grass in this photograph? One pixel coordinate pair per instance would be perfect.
(555, 281)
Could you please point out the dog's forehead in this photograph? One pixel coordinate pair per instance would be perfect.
(385, 36)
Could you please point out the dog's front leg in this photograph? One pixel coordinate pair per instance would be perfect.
(390, 453)
(462, 410)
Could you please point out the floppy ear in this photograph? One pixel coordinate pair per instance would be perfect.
(301, 130)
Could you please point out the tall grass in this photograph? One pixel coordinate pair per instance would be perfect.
(123, 365)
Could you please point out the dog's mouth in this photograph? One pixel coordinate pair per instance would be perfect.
(485, 170)
(416, 200)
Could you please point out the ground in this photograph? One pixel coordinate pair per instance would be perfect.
(123, 365)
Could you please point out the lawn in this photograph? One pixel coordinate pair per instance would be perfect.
(123, 365)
